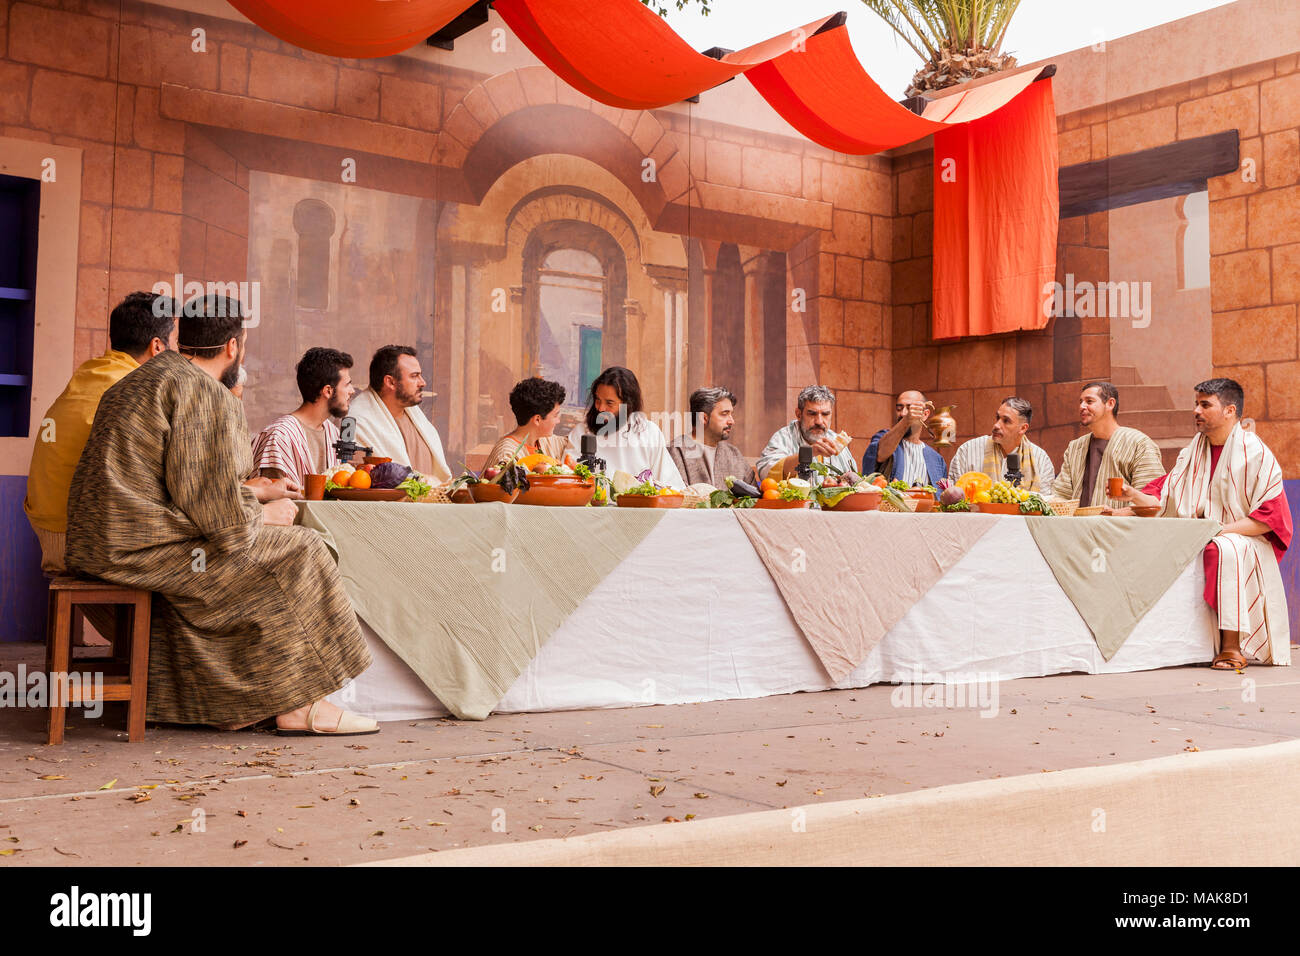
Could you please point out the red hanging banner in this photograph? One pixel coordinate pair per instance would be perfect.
(996, 213)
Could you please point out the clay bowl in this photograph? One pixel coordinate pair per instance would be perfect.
(858, 501)
(996, 508)
(776, 504)
(367, 494)
(1146, 511)
(484, 492)
(651, 501)
(557, 491)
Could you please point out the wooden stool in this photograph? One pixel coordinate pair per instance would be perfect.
(126, 673)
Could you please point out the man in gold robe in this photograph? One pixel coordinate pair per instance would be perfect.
(250, 619)
(137, 331)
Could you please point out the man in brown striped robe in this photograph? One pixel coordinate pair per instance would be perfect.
(250, 619)
(1109, 450)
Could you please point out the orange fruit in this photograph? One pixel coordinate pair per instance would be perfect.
(341, 477)
(359, 479)
(770, 493)
(767, 484)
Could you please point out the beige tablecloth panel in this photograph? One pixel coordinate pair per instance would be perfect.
(849, 578)
(467, 595)
(1114, 569)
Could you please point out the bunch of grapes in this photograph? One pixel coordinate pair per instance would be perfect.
(1004, 493)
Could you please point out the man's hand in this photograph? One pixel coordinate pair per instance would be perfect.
(826, 446)
(273, 489)
(280, 512)
(914, 414)
(1136, 497)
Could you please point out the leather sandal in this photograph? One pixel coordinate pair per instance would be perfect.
(1228, 661)
(350, 725)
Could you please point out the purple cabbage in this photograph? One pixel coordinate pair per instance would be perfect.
(388, 475)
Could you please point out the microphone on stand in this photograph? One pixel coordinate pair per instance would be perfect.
(1013, 474)
(588, 455)
(804, 468)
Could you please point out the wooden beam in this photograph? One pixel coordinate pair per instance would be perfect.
(1158, 173)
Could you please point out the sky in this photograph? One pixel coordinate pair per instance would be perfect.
(1038, 29)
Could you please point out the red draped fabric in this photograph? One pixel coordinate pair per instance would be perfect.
(996, 211)
(352, 28)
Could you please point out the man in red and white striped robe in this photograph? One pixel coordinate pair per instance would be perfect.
(1228, 474)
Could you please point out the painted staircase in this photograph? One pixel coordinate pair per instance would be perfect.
(1152, 410)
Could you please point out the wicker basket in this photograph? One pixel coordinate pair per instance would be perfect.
(908, 506)
(437, 496)
(1062, 508)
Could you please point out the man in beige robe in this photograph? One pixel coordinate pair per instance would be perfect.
(389, 419)
(1108, 450)
(250, 619)
(707, 457)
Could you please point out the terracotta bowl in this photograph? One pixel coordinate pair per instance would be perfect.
(996, 508)
(650, 501)
(776, 504)
(367, 494)
(557, 491)
(858, 501)
(484, 492)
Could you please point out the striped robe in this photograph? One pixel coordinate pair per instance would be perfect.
(1250, 596)
(1129, 454)
(984, 454)
(248, 620)
(282, 445)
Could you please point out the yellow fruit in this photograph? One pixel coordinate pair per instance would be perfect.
(529, 462)
(976, 480)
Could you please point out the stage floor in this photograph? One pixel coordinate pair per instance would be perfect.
(441, 784)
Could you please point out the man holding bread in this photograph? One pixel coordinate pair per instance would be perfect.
(811, 426)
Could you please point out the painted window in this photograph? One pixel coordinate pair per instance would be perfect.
(313, 220)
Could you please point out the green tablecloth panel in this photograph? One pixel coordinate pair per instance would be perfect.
(467, 596)
(1115, 569)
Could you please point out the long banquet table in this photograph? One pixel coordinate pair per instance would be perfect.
(691, 613)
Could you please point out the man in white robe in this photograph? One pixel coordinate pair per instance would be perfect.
(1228, 474)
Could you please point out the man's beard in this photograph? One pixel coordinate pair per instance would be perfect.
(230, 374)
(408, 398)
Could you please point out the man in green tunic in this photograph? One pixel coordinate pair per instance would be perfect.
(250, 619)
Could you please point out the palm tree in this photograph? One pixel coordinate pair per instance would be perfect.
(959, 40)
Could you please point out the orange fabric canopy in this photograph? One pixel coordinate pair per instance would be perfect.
(622, 54)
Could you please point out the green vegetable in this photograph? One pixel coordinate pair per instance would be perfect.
(415, 486)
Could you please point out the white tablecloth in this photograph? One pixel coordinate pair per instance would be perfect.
(692, 615)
